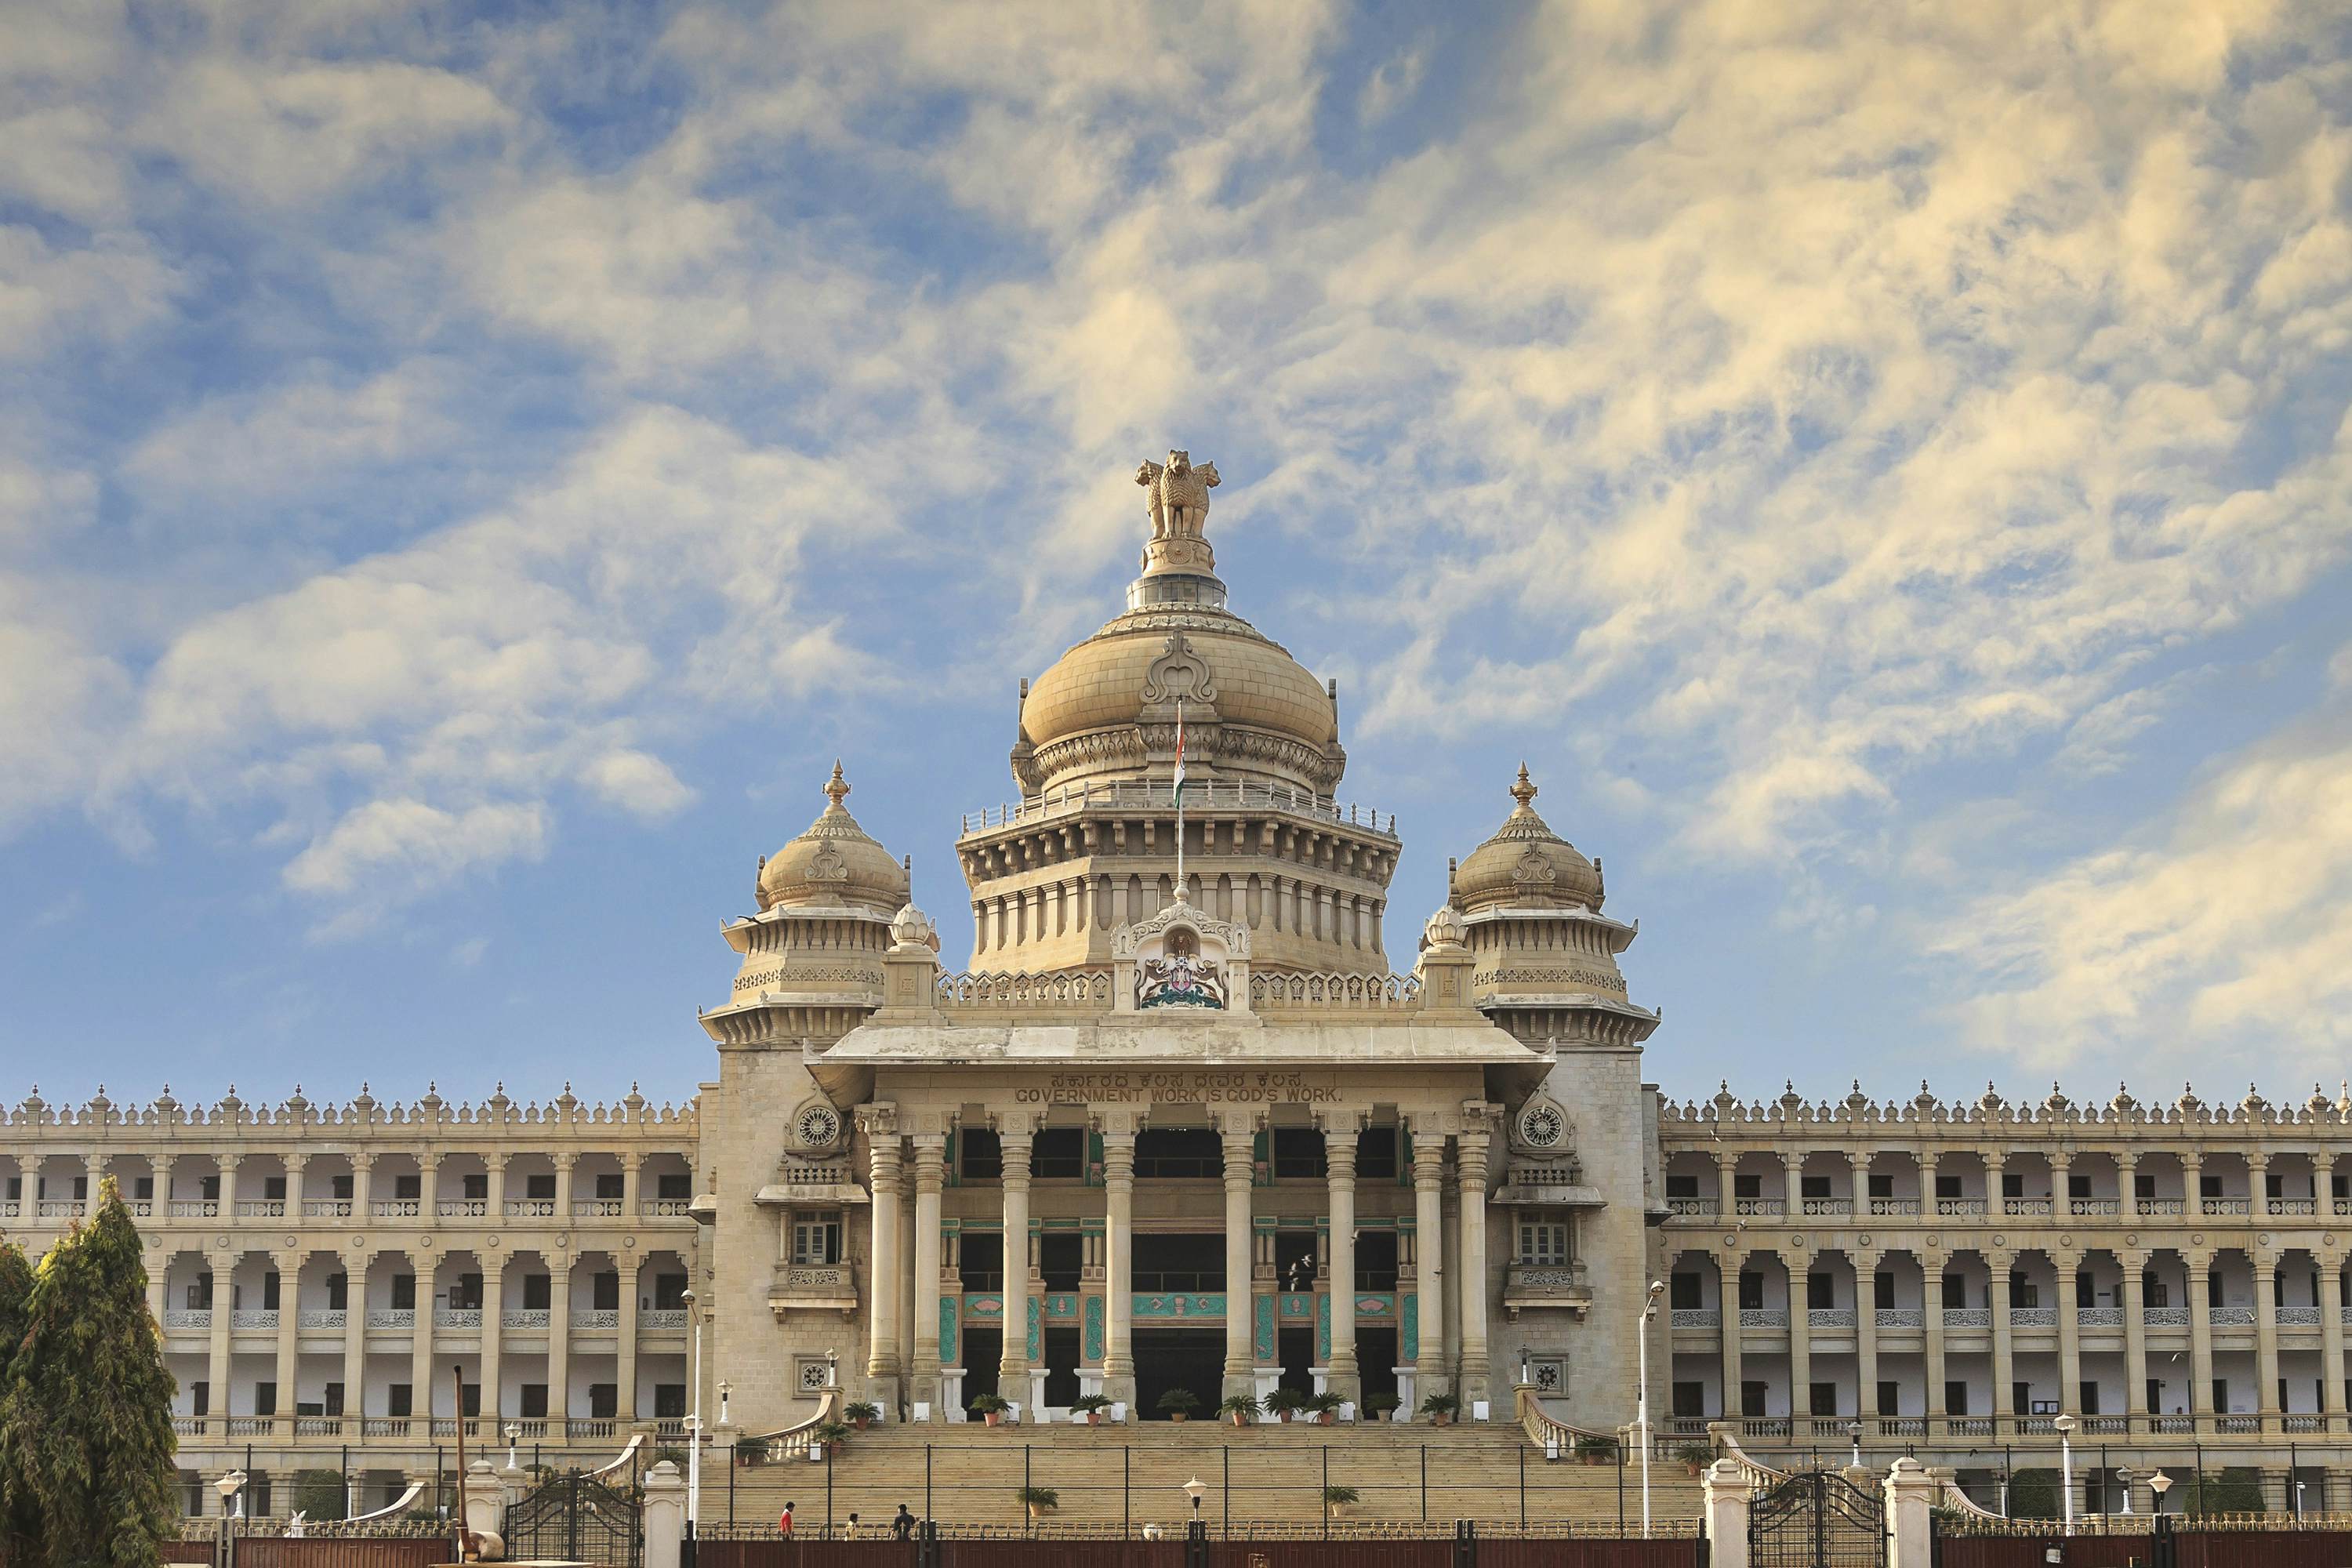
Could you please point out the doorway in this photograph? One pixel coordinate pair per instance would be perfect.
(1061, 1366)
(1178, 1358)
(1297, 1349)
(983, 1350)
(1376, 1359)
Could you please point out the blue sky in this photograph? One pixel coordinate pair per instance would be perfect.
(466, 472)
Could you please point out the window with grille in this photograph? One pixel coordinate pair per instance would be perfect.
(816, 1236)
(1543, 1241)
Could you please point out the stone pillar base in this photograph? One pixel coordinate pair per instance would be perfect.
(882, 1388)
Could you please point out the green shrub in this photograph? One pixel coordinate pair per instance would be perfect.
(319, 1494)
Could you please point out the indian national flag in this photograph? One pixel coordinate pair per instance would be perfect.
(1180, 752)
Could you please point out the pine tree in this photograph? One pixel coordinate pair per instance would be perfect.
(86, 1443)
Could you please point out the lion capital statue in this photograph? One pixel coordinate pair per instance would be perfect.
(1178, 495)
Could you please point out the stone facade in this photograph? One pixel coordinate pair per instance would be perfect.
(1178, 1125)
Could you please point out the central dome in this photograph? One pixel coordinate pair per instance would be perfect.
(1107, 710)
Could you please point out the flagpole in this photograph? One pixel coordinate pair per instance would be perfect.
(1179, 802)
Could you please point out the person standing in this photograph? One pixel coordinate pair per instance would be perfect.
(785, 1524)
(903, 1527)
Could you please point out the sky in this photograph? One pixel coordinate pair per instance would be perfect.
(467, 472)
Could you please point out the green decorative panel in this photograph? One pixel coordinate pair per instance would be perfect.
(1037, 1341)
(1060, 1304)
(1179, 1304)
(1409, 1330)
(1298, 1305)
(1262, 1337)
(1323, 1330)
(984, 1309)
(954, 1177)
(1094, 1160)
(1094, 1330)
(1262, 1159)
(1369, 1304)
(948, 1306)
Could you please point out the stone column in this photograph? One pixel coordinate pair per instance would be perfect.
(227, 1165)
(931, 1174)
(559, 1338)
(2200, 1330)
(1725, 1492)
(363, 1184)
(1012, 1366)
(1995, 1203)
(1118, 1264)
(2331, 1339)
(1859, 1181)
(2135, 1335)
(1239, 1147)
(1927, 1186)
(493, 1335)
(1727, 1299)
(2192, 1181)
(626, 1409)
(2266, 1394)
(1726, 1181)
(564, 1160)
(289, 1320)
(224, 1268)
(1345, 1374)
(2070, 1331)
(355, 1311)
(886, 1176)
(156, 1288)
(1931, 1301)
(494, 1190)
(1799, 1266)
(1910, 1495)
(94, 1173)
(633, 1165)
(1792, 1182)
(1865, 1333)
(1470, 1163)
(420, 1347)
(2003, 1402)
(1429, 1251)
(2127, 1184)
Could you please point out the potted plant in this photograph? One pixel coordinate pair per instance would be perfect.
(1381, 1406)
(991, 1408)
(1440, 1408)
(1285, 1402)
(1179, 1403)
(1242, 1407)
(830, 1435)
(1038, 1501)
(1091, 1406)
(750, 1451)
(861, 1415)
(1337, 1498)
(1696, 1457)
(1596, 1450)
(1325, 1406)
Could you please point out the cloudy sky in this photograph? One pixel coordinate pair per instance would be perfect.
(467, 472)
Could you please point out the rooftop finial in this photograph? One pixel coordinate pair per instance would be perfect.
(1523, 792)
(837, 788)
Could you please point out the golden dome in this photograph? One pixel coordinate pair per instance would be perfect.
(833, 863)
(1526, 865)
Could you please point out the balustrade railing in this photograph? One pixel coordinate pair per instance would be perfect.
(1082, 988)
(1376, 992)
(1223, 794)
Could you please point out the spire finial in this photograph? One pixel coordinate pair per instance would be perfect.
(1523, 792)
(837, 788)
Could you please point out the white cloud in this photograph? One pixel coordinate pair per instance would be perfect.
(638, 781)
(390, 850)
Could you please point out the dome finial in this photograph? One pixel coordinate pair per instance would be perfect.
(1523, 792)
(837, 788)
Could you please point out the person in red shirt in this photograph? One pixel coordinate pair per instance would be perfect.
(785, 1524)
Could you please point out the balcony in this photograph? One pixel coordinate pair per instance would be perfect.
(141, 1208)
(596, 1208)
(2291, 1205)
(2098, 1317)
(2153, 1206)
(1967, 1317)
(194, 1208)
(462, 1209)
(660, 1319)
(1829, 1318)
(252, 1318)
(2034, 1317)
(1691, 1206)
(384, 1426)
(261, 1209)
(596, 1318)
(591, 1426)
(396, 1208)
(317, 1425)
(457, 1318)
(1750, 1207)
(1950, 1207)
(187, 1318)
(392, 1316)
(327, 1209)
(2025, 1207)
(2230, 1317)
(1901, 1318)
(10, 1208)
(2166, 1317)
(669, 1209)
(525, 1318)
(1815, 1207)
(1894, 1205)
(58, 1208)
(1763, 1316)
(1694, 1318)
(1563, 1286)
(2297, 1317)
(2093, 1205)
(323, 1318)
(531, 1208)
(2225, 1206)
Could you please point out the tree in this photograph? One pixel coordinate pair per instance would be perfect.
(15, 1288)
(320, 1494)
(86, 1443)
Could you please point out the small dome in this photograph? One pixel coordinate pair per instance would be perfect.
(1526, 865)
(833, 863)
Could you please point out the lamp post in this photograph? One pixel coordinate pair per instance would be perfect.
(1854, 1431)
(2124, 1475)
(229, 1486)
(514, 1434)
(725, 1388)
(2158, 1485)
(694, 1422)
(2065, 1430)
(1642, 1399)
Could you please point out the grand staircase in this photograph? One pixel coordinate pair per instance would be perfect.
(1134, 1473)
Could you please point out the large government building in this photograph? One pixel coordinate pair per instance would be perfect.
(1180, 1121)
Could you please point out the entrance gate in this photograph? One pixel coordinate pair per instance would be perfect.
(1816, 1519)
(576, 1518)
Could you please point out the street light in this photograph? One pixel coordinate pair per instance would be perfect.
(1193, 1489)
(2123, 1476)
(1642, 1401)
(1854, 1430)
(2065, 1428)
(694, 1423)
(229, 1486)
(2158, 1485)
(725, 1388)
(514, 1434)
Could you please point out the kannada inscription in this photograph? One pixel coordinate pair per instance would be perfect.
(1235, 1086)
